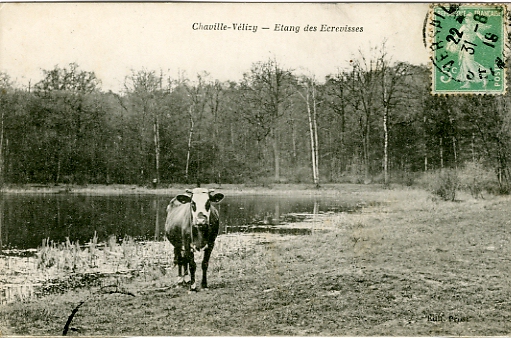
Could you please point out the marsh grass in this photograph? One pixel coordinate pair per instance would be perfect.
(112, 256)
(58, 267)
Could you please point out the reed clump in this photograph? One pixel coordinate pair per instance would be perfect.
(111, 256)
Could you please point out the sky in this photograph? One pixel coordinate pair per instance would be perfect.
(112, 39)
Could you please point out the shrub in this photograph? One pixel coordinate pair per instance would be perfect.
(403, 177)
(498, 189)
(443, 184)
(475, 178)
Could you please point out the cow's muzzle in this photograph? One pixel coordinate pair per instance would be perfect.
(201, 219)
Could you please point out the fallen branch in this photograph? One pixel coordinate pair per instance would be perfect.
(70, 318)
(75, 310)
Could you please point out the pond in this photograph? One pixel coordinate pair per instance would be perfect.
(28, 219)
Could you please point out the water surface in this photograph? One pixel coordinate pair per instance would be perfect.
(28, 219)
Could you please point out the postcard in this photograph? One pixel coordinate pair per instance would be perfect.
(254, 169)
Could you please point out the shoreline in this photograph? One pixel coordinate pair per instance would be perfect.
(330, 189)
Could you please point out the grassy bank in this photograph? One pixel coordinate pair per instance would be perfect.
(413, 266)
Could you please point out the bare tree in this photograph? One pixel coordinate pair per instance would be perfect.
(198, 100)
(391, 78)
(338, 100)
(144, 88)
(5, 87)
(363, 87)
(309, 96)
(267, 89)
(189, 150)
(215, 95)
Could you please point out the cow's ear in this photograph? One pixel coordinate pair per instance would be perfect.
(184, 199)
(216, 197)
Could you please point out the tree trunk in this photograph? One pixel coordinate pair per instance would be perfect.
(441, 154)
(385, 130)
(313, 142)
(294, 141)
(312, 131)
(157, 147)
(455, 152)
(386, 102)
(451, 121)
(342, 165)
(316, 143)
(2, 150)
(189, 146)
(217, 150)
(385, 147)
(143, 145)
(276, 152)
(366, 150)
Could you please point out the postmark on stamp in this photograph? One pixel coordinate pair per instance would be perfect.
(467, 48)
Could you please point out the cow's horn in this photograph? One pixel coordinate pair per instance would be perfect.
(189, 191)
(211, 190)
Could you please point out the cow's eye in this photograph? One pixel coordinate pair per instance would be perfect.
(208, 205)
(194, 207)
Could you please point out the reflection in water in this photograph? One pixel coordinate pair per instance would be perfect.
(157, 220)
(1, 220)
(277, 212)
(16, 292)
(26, 220)
(314, 215)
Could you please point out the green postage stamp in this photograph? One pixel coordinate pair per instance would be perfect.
(467, 48)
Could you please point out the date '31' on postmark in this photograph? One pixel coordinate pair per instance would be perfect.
(467, 48)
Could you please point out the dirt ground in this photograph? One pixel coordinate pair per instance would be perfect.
(412, 266)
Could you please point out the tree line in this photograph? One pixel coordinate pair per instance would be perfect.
(373, 120)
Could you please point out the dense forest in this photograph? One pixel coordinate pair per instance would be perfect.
(372, 121)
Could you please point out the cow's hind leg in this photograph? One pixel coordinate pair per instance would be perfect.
(185, 265)
(205, 264)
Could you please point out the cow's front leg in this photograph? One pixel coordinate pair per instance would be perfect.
(193, 267)
(205, 264)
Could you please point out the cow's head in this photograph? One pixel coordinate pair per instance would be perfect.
(200, 200)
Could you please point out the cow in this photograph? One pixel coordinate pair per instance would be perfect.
(192, 225)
